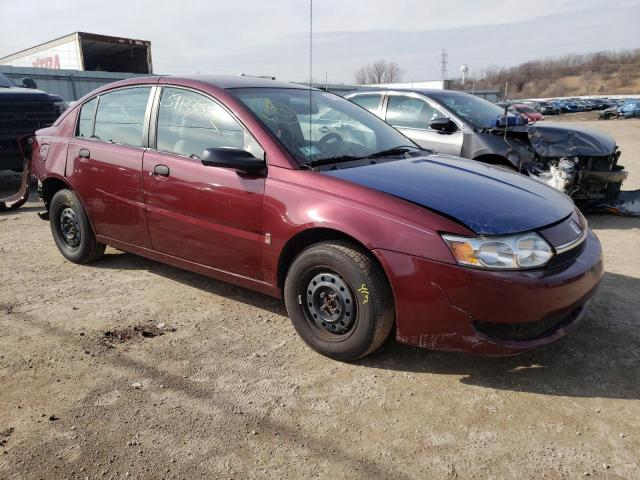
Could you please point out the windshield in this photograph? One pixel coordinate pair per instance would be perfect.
(475, 110)
(335, 128)
(5, 82)
(526, 110)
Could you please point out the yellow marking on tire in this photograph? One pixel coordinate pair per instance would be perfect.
(365, 293)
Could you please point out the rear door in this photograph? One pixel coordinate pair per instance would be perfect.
(104, 163)
(208, 215)
(413, 114)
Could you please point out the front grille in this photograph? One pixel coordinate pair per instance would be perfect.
(525, 331)
(566, 258)
(18, 117)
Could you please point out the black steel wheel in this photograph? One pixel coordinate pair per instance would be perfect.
(71, 229)
(339, 300)
(331, 305)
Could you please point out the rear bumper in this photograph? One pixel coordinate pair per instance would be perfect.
(447, 307)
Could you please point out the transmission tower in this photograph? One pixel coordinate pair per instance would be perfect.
(444, 61)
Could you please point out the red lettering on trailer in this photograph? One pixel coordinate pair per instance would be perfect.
(47, 62)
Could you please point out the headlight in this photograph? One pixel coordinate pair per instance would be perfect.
(527, 250)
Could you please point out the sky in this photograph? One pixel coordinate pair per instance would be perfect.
(271, 37)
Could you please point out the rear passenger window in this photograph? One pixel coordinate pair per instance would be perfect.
(87, 115)
(410, 112)
(120, 116)
(189, 123)
(370, 102)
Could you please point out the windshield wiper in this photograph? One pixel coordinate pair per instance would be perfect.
(328, 160)
(347, 158)
(392, 151)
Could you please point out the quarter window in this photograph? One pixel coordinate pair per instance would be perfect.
(410, 112)
(189, 123)
(87, 115)
(370, 102)
(120, 116)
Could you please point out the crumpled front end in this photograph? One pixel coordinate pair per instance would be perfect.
(584, 164)
(581, 162)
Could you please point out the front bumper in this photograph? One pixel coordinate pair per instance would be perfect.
(448, 307)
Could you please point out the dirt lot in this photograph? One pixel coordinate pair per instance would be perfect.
(225, 389)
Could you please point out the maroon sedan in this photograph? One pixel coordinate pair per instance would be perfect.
(531, 115)
(301, 194)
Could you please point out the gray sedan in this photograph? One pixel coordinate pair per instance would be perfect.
(580, 162)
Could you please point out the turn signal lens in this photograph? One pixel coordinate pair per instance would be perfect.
(463, 252)
(522, 251)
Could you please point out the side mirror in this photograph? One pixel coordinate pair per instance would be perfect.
(231, 158)
(443, 125)
(28, 82)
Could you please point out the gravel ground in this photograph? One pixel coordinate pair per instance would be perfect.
(130, 368)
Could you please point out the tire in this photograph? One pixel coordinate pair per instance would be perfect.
(71, 229)
(349, 280)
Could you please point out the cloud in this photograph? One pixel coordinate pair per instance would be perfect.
(254, 36)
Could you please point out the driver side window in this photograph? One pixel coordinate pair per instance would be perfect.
(410, 112)
(189, 123)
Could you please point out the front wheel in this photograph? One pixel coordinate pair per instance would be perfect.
(71, 229)
(339, 300)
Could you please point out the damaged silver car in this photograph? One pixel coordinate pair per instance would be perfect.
(581, 162)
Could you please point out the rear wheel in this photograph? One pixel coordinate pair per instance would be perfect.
(339, 300)
(71, 229)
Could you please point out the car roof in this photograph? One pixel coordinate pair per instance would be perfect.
(423, 91)
(237, 81)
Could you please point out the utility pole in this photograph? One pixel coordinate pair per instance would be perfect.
(443, 63)
(506, 90)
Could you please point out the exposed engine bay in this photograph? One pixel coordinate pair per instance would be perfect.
(581, 162)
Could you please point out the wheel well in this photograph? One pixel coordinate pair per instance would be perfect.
(49, 188)
(307, 238)
(493, 159)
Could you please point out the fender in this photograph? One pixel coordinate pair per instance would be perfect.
(286, 216)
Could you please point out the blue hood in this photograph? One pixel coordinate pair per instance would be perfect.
(489, 200)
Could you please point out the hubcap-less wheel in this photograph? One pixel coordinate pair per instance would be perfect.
(330, 303)
(70, 228)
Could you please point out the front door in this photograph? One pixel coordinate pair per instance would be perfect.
(104, 163)
(208, 215)
(412, 115)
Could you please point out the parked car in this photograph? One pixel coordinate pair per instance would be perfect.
(560, 106)
(608, 113)
(626, 109)
(629, 109)
(23, 110)
(578, 161)
(546, 108)
(227, 176)
(527, 112)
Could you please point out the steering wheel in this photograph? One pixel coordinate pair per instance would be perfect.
(331, 136)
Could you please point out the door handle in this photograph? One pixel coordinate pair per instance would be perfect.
(84, 153)
(161, 170)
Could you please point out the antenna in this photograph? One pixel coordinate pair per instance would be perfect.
(443, 62)
(310, 70)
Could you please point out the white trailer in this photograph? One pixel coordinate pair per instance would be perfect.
(87, 52)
